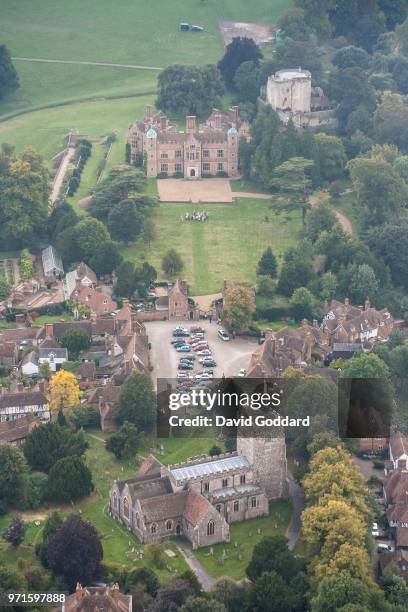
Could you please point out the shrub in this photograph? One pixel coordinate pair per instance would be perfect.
(222, 174)
(162, 175)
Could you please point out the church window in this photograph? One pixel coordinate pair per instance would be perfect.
(253, 502)
(169, 525)
(224, 483)
(236, 506)
(220, 167)
(153, 528)
(206, 487)
(115, 500)
(206, 167)
(177, 168)
(206, 153)
(126, 507)
(242, 479)
(164, 167)
(220, 153)
(210, 528)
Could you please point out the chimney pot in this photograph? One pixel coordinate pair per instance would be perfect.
(49, 330)
(191, 123)
(346, 301)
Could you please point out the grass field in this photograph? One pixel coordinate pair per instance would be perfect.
(140, 32)
(227, 246)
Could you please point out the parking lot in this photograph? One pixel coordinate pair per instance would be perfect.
(229, 356)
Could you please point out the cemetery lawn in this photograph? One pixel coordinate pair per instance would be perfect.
(227, 246)
(244, 536)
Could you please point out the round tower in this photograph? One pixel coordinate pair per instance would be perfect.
(290, 90)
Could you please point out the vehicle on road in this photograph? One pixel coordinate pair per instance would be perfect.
(375, 532)
(222, 334)
(180, 332)
(183, 349)
(383, 547)
(207, 362)
(204, 353)
(242, 373)
(203, 376)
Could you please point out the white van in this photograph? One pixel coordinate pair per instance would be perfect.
(384, 548)
(222, 334)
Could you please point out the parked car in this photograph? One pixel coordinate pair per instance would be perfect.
(185, 366)
(203, 376)
(204, 353)
(196, 328)
(179, 331)
(177, 342)
(203, 347)
(208, 362)
(375, 532)
(183, 349)
(194, 339)
(383, 547)
(242, 373)
(183, 377)
(199, 342)
(222, 334)
(188, 358)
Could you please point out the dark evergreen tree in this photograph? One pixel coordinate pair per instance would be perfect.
(15, 532)
(8, 74)
(238, 51)
(106, 258)
(69, 479)
(75, 552)
(49, 443)
(136, 402)
(267, 265)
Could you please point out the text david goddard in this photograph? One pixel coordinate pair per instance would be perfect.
(258, 420)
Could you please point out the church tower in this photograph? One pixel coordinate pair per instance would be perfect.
(267, 456)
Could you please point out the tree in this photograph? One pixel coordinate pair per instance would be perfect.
(26, 265)
(365, 365)
(145, 577)
(89, 235)
(320, 219)
(271, 593)
(172, 595)
(331, 156)
(246, 82)
(172, 264)
(75, 341)
(328, 286)
(302, 303)
(148, 231)
(189, 90)
(238, 308)
(271, 554)
(267, 265)
(125, 281)
(15, 532)
(125, 443)
(136, 402)
(51, 526)
(125, 221)
(69, 479)
(202, 604)
(49, 443)
(391, 120)
(120, 183)
(266, 286)
(390, 243)
(297, 270)
(75, 552)
(291, 181)
(8, 75)
(362, 283)
(214, 451)
(4, 288)
(238, 51)
(350, 88)
(106, 258)
(64, 391)
(13, 476)
(61, 217)
(229, 593)
(24, 192)
(11, 580)
(349, 57)
(303, 53)
(293, 24)
(335, 593)
(381, 191)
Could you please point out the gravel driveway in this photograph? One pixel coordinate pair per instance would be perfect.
(229, 356)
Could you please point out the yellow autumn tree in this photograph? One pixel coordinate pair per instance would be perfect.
(64, 391)
(349, 559)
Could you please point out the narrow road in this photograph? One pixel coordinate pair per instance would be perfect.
(296, 495)
(59, 177)
(314, 201)
(84, 63)
(204, 578)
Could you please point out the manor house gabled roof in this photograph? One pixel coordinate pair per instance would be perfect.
(208, 468)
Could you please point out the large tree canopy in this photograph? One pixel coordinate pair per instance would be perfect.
(238, 51)
(136, 402)
(46, 444)
(8, 74)
(189, 90)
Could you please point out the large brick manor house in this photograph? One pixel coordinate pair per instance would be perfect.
(205, 150)
(198, 499)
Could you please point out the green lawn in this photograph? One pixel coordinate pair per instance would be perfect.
(227, 246)
(244, 536)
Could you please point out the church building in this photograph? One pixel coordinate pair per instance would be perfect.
(200, 498)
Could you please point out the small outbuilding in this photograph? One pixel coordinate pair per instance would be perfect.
(52, 263)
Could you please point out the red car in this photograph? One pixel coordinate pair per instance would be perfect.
(201, 347)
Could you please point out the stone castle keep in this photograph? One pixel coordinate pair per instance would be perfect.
(200, 498)
(209, 149)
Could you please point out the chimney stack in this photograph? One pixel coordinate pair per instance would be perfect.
(163, 122)
(217, 121)
(367, 304)
(304, 323)
(315, 323)
(49, 330)
(233, 114)
(191, 123)
(148, 111)
(346, 301)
